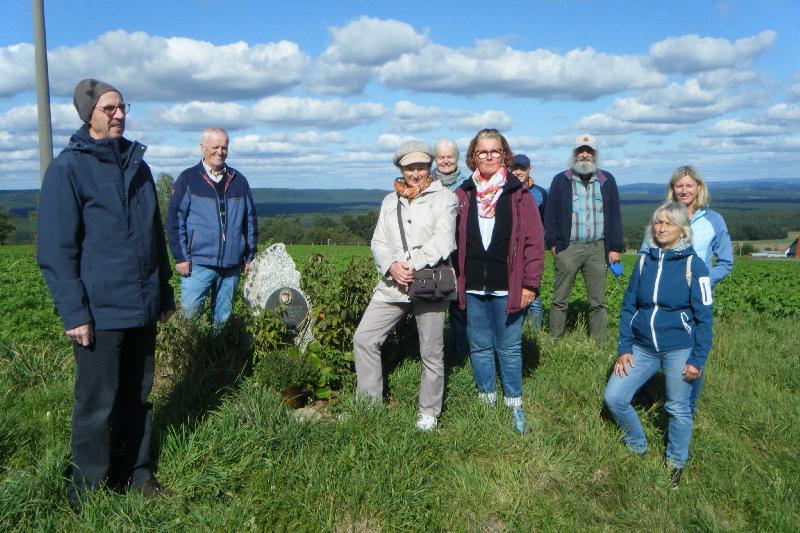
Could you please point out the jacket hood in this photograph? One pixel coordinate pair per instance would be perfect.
(102, 149)
(682, 248)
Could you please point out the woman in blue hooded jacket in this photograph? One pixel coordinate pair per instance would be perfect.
(665, 323)
(710, 238)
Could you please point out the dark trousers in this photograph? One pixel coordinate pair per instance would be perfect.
(111, 421)
(458, 330)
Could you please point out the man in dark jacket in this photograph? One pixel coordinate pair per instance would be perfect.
(213, 229)
(521, 168)
(583, 230)
(102, 251)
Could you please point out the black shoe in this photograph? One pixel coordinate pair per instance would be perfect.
(74, 501)
(152, 489)
(72, 491)
(675, 477)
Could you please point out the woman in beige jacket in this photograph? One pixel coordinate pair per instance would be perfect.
(428, 212)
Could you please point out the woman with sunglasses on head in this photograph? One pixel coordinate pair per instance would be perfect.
(500, 245)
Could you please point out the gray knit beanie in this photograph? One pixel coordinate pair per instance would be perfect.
(87, 93)
(413, 152)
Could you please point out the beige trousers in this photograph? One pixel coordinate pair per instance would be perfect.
(377, 322)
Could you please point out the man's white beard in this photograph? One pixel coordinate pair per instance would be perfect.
(585, 168)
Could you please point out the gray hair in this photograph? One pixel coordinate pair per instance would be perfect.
(445, 142)
(210, 131)
(677, 213)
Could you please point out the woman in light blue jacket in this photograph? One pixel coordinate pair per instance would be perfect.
(710, 237)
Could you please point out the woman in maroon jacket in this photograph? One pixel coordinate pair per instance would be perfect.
(500, 261)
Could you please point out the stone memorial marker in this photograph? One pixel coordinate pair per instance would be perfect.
(274, 280)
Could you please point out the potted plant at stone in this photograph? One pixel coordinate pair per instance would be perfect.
(287, 372)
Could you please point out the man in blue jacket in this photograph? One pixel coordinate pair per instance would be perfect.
(583, 230)
(521, 168)
(213, 229)
(102, 251)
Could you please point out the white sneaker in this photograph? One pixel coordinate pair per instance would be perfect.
(426, 422)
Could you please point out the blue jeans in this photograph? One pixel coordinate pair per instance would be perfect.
(490, 330)
(697, 386)
(220, 282)
(535, 312)
(620, 391)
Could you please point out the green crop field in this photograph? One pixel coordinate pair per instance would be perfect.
(239, 459)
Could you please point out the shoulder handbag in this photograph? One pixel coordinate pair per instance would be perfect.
(431, 284)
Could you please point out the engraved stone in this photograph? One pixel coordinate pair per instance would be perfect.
(273, 280)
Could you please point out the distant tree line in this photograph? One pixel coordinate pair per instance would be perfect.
(746, 221)
(346, 229)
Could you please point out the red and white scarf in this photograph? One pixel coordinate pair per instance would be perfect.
(489, 191)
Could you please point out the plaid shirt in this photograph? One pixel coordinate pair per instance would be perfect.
(587, 210)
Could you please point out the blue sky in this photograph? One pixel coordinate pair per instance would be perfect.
(319, 94)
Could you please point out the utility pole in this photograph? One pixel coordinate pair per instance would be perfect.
(42, 89)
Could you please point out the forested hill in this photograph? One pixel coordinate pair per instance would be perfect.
(297, 201)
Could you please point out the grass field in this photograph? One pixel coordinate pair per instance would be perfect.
(239, 460)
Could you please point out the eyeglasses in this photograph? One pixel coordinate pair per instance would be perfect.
(485, 155)
(110, 110)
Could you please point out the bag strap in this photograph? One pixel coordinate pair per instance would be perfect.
(402, 232)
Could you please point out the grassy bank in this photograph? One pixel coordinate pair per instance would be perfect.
(239, 460)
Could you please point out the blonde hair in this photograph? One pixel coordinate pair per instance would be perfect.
(677, 213)
(703, 196)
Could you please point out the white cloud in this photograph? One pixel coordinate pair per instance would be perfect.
(290, 111)
(740, 128)
(200, 115)
(409, 116)
(145, 67)
(670, 108)
(308, 138)
(16, 62)
(372, 42)
(63, 118)
(391, 141)
(339, 78)
(283, 111)
(493, 67)
(356, 49)
(779, 119)
(691, 53)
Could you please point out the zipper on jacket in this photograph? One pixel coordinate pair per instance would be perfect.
(655, 298)
(221, 242)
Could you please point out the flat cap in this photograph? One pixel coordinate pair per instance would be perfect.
(413, 152)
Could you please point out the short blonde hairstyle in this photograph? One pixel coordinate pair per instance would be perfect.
(675, 212)
(703, 196)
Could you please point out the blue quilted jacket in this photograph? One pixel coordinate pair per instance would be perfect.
(195, 225)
